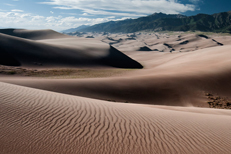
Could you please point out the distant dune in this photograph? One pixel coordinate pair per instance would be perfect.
(33, 34)
(163, 42)
(17, 51)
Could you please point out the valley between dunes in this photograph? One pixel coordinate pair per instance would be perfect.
(114, 93)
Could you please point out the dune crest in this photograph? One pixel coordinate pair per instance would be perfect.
(34, 34)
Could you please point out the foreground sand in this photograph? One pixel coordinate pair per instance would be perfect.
(150, 110)
(36, 121)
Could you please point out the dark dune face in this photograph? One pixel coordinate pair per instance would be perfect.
(116, 58)
(9, 31)
(145, 48)
(7, 59)
(16, 50)
(204, 36)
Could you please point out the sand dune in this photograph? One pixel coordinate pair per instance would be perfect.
(149, 110)
(168, 79)
(34, 34)
(35, 121)
(178, 42)
(16, 51)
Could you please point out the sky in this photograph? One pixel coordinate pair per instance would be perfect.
(64, 14)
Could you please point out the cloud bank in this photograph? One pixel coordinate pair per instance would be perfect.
(78, 12)
(121, 7)
(17, 19)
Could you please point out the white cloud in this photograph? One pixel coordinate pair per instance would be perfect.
(16, 10)
(122, 7)
(72, 14)
(9, 4)
(92, 12)
(30, 21)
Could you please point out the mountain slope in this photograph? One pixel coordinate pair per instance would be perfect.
(75, 29)
(220, 22)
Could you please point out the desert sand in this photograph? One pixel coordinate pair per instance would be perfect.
(177, 103)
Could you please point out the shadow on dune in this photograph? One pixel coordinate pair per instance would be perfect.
(116, 58)
(9, 31)
(7, 59)
(16, 51)
(204, 36)
(144, 48)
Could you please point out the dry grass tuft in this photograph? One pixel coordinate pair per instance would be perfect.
(62, 72)
(218, 102)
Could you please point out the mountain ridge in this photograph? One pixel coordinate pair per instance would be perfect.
(219, 22)
(75, 29)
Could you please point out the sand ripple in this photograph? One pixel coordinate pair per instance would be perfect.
(36, 121)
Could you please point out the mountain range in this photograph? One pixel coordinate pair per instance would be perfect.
(219, 22)
(75, 29)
